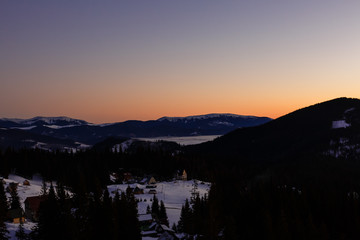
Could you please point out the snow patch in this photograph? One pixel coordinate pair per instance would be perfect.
(59, 127)
(24, 128)
(340, 124)
(349, 110)
(122, 146)
(203, 117)
(216, 123)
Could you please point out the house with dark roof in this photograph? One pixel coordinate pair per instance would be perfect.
(16, 215)
(138, 190)
(26, 183)
(32, 205)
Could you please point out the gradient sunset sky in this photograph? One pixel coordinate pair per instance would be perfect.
(109, 61)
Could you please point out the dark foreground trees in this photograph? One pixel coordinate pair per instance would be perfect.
(87, 216)
(3, 211)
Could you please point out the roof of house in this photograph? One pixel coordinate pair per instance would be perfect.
(145, 217)
(166, 228)
(15, 213)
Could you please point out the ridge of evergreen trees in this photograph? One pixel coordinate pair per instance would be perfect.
(246, 200)
(87, 216)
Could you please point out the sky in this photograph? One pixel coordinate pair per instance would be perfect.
(109, 61)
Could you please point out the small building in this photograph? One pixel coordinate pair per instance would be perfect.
(138, 190)
(184, 176)
(148, 181)
(128, 177)
(159, 231)
(181, 175)
(145, 219)
(168, 236)
(26, 183)
(152, 181)
(32, 205)
(16, 215)
(152, 191)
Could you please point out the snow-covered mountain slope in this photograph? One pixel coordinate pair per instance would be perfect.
(81, 131)
(53, 122)
(204, 117)
(173, 194)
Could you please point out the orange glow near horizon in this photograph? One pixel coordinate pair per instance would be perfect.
(115, 62)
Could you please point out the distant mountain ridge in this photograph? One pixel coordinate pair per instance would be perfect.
(41, 121)
(81, 131)
(203, 117)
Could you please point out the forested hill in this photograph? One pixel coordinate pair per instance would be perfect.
(322, 128)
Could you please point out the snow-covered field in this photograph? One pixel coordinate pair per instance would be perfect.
(173, 194)
(23, 191)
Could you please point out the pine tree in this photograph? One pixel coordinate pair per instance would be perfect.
(174, 227)
(43, 190)
(60, 192)
(162, 214)
(14, 199)
(20, 233)
(106, 221)
(155, 207)
(194, 191)
(185, 221)
(126, 219)
(49, 215)
(3, 210)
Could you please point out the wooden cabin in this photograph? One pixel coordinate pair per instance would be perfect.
(32, 205)
(138, 190)
(26, 183)
(184, 176)
(16, 215)
(152, 191)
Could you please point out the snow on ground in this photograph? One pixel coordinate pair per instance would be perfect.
(173, 194)
(13, 227)
(340, 124)
(122, 146)
(23, 191)
(25, 128)
(59, 127)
